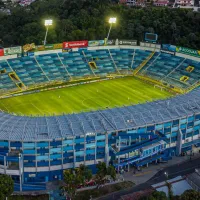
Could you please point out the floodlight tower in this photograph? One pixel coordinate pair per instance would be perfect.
(111, 21)
(47, 23)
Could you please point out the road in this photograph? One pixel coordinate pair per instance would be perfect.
(172, 171)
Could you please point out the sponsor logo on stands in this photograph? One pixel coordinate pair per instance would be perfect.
(48, 47)
(29, 47)
(168, 48)
(75, 44)
(127, 42)
(168, 52)
(57, 46)
(150, 45)
(94, 43)
(12, 50)
(188, 51)
(110, 42)
(66, 50)
(1, 52)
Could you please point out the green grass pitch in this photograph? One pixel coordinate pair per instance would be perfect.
(85, 97)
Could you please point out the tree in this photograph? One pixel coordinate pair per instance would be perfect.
(70, 180)
(190, 195)
(87, 19)
(112, 172)
(85, 172)
(75, 177)
(1, 3)
(155, 196)
(6, 186)
(103, 171)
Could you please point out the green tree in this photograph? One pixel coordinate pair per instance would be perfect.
(112, 172)
(155, 196)
(85, 172)
(103, 171)
(6, 186)
(75, 177)
(88, 20)
(190, 195)
(70, 180)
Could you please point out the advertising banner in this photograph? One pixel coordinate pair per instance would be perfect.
(40, 48)
(168, 48)
(111, 42)
(150, 45)
(188, 51)
(127, 42)
(94, 43)
(1, 52)
(12, 50)
(75, 44)
(57, 46)
(48, 47)
(66, 50)
(29, 47)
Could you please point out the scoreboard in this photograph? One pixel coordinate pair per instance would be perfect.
(151, 37)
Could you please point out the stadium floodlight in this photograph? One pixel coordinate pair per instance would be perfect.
(47, 23)
(111, 21)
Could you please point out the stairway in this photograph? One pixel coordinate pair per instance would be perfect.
(135, 72)
(13, 76)
(196, 85)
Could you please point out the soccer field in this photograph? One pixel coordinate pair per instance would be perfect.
(85, 97)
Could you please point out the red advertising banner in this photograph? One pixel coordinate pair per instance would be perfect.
(75, 44)
(1, 52)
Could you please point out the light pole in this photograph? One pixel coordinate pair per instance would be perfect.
(111, 21)
(47, 23)
(20, 173)
(166, 174)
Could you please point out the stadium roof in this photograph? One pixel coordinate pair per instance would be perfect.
(23, 128)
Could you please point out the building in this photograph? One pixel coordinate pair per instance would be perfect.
(36, 150)
(184, 2)
(161, 3)
(194, 180)
(178, 185)
(128, 2)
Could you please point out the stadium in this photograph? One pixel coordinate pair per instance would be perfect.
(125, 105)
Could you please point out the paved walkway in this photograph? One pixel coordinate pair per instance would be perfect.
(148, 172)
(185, 167)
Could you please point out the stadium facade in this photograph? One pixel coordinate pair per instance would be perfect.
(36, 150)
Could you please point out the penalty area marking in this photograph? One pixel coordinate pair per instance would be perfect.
(4, 106)
(83, 102)
(143, 95)
(41, 111)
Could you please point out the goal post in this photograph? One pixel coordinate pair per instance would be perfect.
(160, 87)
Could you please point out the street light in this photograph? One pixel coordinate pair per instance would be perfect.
(166, 174)
(111, 21)
(47, 23)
